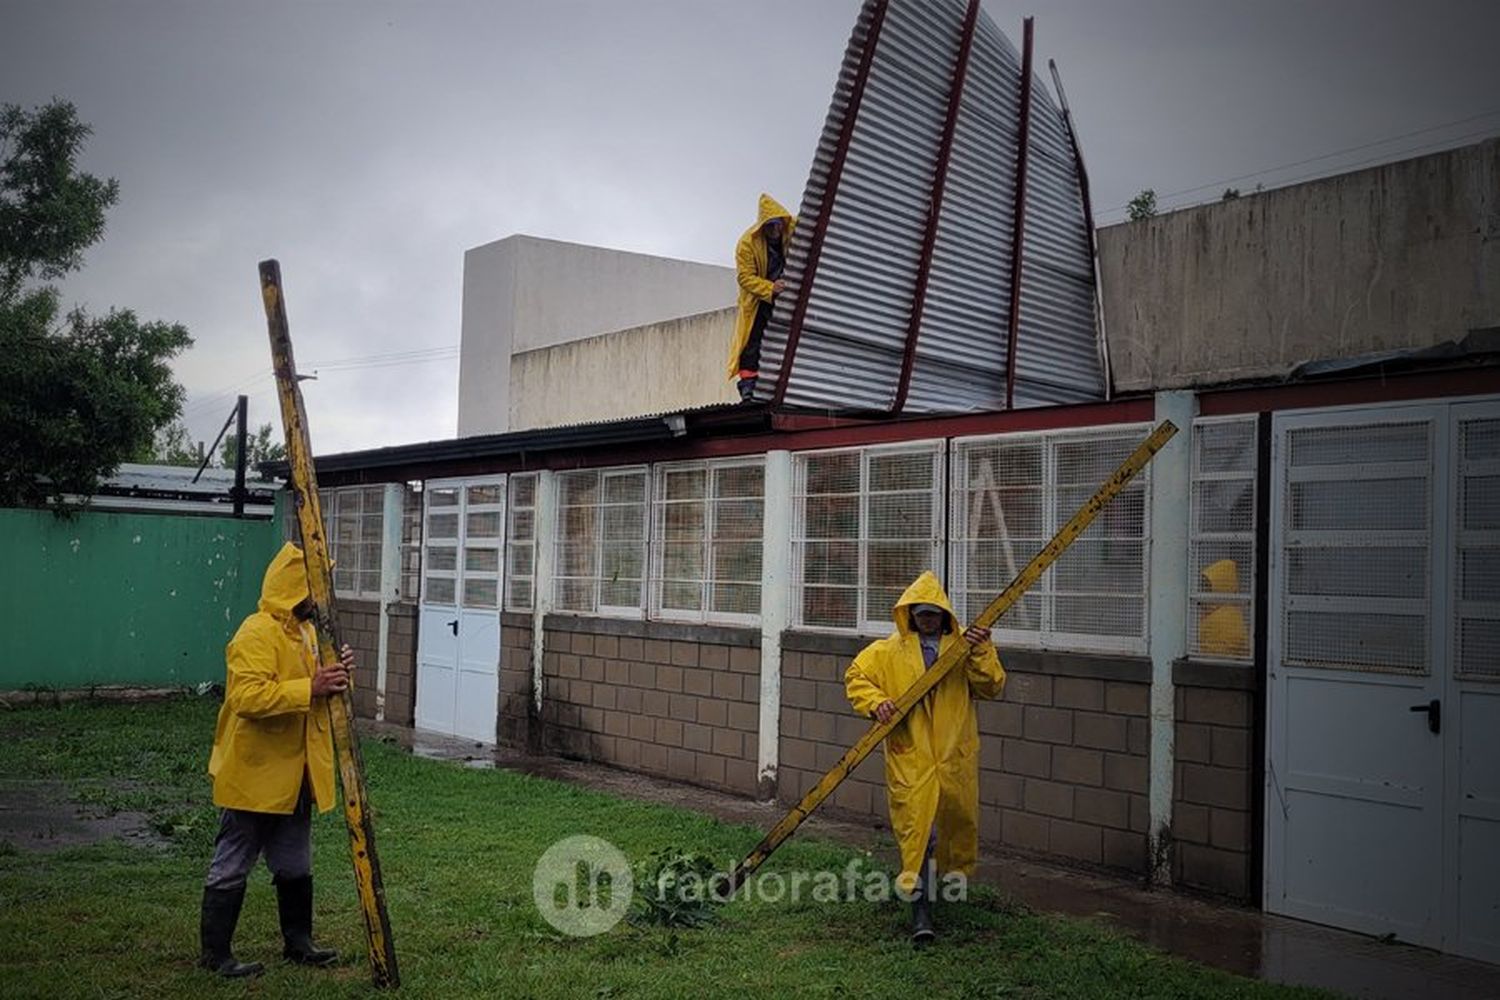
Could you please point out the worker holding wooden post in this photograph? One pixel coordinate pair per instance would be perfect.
(932, 755)
(272, 762)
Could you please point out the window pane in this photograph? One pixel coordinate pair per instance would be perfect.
(736, 598)
(522, 525)
(369, 582)
(737, 562)
(482, 524)
(442, 525)
(832, 517)
(831, 562)
(739, 481)
(834, 473)
(684, 484)
(523, 491)
(481, 560)
(622, 593)
(678, 596)
(739, 519)
(625, 488)
(439, 590)
(522, 558)
(480, 592)
(829, 607)
(442, 496)
(443, 558)
(898, 472)
(488, 494)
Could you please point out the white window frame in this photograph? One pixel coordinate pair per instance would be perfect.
(328, 500)
(599, 608)
(1046, 636)
(1198, 598)
(513, 544)
(659, 505)
(868, 621)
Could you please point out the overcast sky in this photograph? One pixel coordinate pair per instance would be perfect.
(368, 144)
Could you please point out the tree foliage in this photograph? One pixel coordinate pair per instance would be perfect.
(79, 394)
(1142, 206)
(172, 445)
(259, 447)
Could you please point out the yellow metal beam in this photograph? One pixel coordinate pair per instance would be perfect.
(955, 654)
(320, 582)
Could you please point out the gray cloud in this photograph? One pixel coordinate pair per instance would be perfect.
(367, 145)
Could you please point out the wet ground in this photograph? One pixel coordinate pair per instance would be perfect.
(1240, 940)
(40, 816)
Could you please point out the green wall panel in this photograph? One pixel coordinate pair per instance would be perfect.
(123, 598)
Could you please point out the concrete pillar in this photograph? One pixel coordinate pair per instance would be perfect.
(775, 611)
(392, 513)
(1171, 510)
(544, 566)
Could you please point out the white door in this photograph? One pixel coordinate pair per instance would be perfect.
(1382, 796)
(458, 628)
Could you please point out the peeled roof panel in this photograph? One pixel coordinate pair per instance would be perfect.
(866, 276)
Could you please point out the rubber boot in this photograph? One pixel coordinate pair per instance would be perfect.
(746, 387)
(221, 912)
(922, 933)
(294, 902)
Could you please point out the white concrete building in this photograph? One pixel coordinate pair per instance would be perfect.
(543, 342)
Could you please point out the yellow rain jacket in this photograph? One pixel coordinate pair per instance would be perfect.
(1221, 629)
(932, 757)
(271, 730)
(750, 263)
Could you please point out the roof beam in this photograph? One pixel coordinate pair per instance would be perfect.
(1018, 237)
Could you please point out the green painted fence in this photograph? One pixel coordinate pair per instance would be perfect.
(117, 598)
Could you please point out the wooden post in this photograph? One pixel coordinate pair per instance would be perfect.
(320, 583)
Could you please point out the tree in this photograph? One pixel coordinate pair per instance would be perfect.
(1230, 194)
(172, 445)
(258, 448)
(1142, 206)
(78, 394)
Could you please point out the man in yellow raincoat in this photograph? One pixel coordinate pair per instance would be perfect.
(932, 757)
(272, 760)
(1221, 627)
(759, 257)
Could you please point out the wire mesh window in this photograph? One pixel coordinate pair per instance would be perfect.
(601, 541)
(1011, 494)
(1356, 549)
(867, 522)
(353, 524)
(1221, 546)
(1476, 651)
(706, 541)
(520, 544)
(411, 542)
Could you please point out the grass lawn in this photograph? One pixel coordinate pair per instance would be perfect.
(458, 847)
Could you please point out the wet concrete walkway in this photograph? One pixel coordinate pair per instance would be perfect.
(1240, 940)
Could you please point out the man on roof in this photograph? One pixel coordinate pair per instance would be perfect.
(759, 257)
(272, 761)
(932, 756)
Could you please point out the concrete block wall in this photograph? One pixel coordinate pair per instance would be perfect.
(674, 701)
(1213, 785)
(401, 664)
(515, 727)
(359, 626)
(1063, 768)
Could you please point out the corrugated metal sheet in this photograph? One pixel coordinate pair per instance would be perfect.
(848, 348)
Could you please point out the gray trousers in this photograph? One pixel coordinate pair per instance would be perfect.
(243, 836)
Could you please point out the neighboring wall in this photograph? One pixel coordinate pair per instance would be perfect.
(1405, 255)
(359, 623)
(673, 365)
(524, 294)
(1062, 753)
(135, 599)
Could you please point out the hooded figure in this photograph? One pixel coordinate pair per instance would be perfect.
(272, 760)
(758, 260)
(932, 756)
(1221, 629)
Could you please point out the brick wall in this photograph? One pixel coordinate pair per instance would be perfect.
(1063, 767)
(359, 626)
(401, 664)
(676, 701)
(515, 727)
(1212, 806)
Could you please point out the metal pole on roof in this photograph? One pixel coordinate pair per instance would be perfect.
(240, 450)
(1018, 238)
(1088, 224)
(830, 192)
(935, 205)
